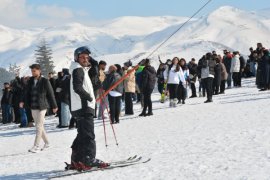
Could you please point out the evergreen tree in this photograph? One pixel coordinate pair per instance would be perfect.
(44, 57)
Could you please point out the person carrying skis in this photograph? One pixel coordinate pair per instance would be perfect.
(83, 109)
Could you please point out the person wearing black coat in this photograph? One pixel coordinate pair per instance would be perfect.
(202, 88)
(160, 77)
(242, 68)
(39, 97)
(57, 91)
(227, 60)
(17, 90)
(65, 99)
(148, 85)
(6, 104)
(192, 66)
(263, 74)
(217, 78)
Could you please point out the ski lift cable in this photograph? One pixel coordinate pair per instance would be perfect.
(166, 40)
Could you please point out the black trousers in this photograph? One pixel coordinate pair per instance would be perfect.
(173, 88)
(181, 93)
(208, 82)
(147, 102)
(222, 86)
(216, 85)
(239, 82)
(84, 145)
(235, 77)
(128, 103)
(17, 114)
(193, 89)
(115, 107)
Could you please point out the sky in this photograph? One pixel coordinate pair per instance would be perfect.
(42, 13)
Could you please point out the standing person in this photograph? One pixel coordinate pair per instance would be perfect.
(172, 76)
(182, 88)
(103, 103)
(241, 71)
(30, 119)
(202, 88)
(138, 76)
(252, 61)
(217, 78)
(94, 76)
(224, 76)
(148, 85)
(129, 86)
(235, 68)
(52, 81)
(65, 99)
(114, 95)
(6, 104)
(160, 77)
(16, 87)
(39, 97)
(207, 75)
(58, 89)
(263, 75)
(227, 60)
(192, 66)
(83, 109)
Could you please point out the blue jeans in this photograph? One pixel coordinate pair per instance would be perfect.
(65, 114)
(7, 113)
(24, 120)
(229, 80)
(253, 68)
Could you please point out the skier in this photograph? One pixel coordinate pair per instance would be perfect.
(83, 109)
(39, 97)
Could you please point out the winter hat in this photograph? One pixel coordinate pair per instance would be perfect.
(128, 63)
(81, 50)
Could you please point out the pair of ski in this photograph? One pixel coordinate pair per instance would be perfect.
(112, 165)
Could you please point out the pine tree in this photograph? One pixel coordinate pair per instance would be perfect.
(44, 57)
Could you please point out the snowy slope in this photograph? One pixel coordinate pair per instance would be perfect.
(127, 37)
(228, 139)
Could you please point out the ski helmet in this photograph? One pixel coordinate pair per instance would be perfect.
(81, 50)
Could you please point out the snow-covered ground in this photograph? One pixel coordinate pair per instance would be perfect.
(228, 139)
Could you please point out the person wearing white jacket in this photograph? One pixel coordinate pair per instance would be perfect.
(235, 67)
(173, 75)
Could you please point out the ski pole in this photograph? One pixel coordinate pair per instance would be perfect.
(103, 119)
(114, 134)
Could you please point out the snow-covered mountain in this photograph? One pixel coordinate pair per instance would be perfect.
(128, 37)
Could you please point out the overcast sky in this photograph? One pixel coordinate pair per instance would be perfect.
(40, 13)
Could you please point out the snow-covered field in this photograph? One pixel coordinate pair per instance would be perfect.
(228, 139)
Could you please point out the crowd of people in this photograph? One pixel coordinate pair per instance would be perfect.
(73, 96)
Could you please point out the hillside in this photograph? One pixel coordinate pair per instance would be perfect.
(127, 37)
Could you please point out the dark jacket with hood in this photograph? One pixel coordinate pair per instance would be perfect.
(148, 79)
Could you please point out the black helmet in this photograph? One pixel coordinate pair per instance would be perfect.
(81, 50)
